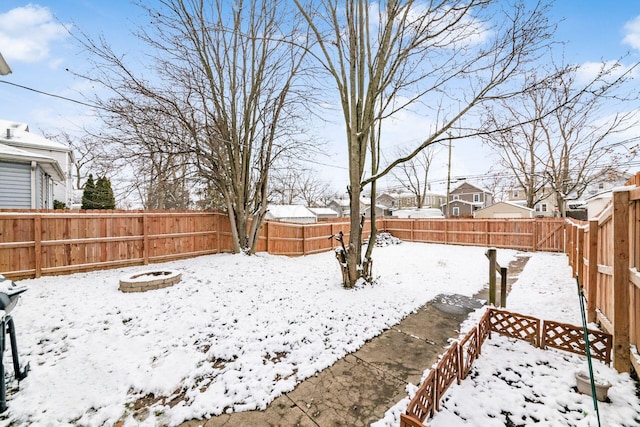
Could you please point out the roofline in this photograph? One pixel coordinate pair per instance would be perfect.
(53, 165)
(35, 146)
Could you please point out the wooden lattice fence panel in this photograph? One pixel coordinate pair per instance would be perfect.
(447, 370)
(468, 352)
(422, 404)
(570, 338)
(484, 329)
(408, 421)
(526, 328)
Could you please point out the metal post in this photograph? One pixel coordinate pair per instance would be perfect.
(449, 179)
(503, 287)
(3, 390)
(491, 254)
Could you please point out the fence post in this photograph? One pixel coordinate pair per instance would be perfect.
(37, 238)
(534, 235)
(592, 280)
(268, 235)
(218, 226)
(621, 323)
(567, 241)
(580, 253)
(571, 248)
(304, 238)
(412, 226)
(503, 287)
(491, 254)
(446, 230)
(487, 237)
(145, 238)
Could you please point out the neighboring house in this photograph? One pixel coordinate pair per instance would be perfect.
(597, 203)
(465, 199)
(290, 213)
(380, 211)
(546, 207)
(607, 183)
(505, 210)
(393, 201)
(27, 179)
(340, 206)
(34, 171)
(324, 213)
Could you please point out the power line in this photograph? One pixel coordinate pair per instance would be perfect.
(53, 95)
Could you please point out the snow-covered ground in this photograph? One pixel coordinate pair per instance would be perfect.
(238, 331)
(515, 384)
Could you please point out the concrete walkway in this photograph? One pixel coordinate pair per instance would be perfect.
(359, 388)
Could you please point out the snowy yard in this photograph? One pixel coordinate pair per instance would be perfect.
(515, 384)
(238, 331)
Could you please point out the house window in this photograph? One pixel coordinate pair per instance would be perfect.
(476, 197)
(456, 197)
(426, 200)
(544, 207)
(601, 186)
(515, 194)
(456, 211)
(541, 207)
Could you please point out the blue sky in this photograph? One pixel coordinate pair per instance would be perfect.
(39, 50)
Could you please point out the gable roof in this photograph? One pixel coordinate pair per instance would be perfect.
(515, 205)
(17, 134)
(481, 189)
(324, 211)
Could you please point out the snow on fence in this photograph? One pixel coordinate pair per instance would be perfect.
(35, 243)
(457, 361)
(605, 254)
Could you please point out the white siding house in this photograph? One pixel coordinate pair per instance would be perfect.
(27, 179)
(40, 167)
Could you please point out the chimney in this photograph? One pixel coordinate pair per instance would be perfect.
(8, 133)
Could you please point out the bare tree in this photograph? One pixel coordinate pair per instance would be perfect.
(223, 92)
(453, 55)
(291, 184)
(414, 173)
(314, 191)
(283, 185)
(557, 134)
(89, 155)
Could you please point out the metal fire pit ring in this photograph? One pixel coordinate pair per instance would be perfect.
(149, 280)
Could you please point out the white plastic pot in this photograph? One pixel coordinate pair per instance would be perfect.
(584, 385)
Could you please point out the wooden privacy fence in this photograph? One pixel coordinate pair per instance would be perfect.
(457, 361)
(534, 234)
(33, 243)
(605, 254)
(36, 243)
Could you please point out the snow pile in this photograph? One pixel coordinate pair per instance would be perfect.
(386, 239)
(234, 334)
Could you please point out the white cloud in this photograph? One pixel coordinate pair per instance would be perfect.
(590, 70)
(632, 31)
(27, 33)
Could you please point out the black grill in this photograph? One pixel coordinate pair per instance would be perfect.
(9, 295)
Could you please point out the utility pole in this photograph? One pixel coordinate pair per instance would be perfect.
(449, 177)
